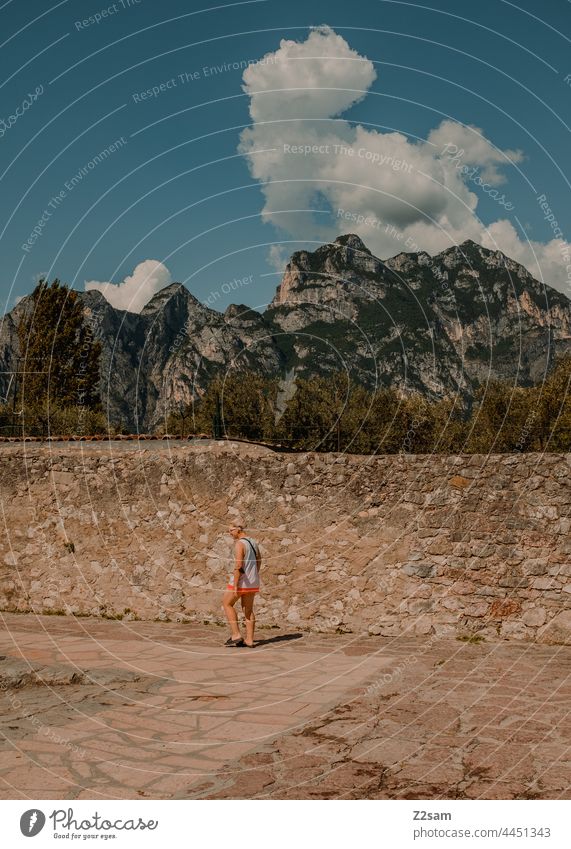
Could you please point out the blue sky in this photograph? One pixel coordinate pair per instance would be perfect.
(110, 177)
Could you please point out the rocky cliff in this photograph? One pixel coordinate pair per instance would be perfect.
(438, 325)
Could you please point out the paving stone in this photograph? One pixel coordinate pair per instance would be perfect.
(307, 718)
(117, 725)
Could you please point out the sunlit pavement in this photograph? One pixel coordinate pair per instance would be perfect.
(144, 709)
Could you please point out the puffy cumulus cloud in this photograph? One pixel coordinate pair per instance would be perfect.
(468, 145)
(317, 78)
(322, 176)
(148, 278)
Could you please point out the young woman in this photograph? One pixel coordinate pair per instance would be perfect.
(243, 584)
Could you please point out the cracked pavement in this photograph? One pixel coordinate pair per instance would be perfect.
(106, 709)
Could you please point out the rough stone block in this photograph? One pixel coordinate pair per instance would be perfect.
(459, 481)
(419, 570)
(534, 617)
(557, 631)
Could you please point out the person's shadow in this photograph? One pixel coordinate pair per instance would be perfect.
(282, 638)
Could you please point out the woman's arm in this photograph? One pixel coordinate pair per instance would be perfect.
(238, 562)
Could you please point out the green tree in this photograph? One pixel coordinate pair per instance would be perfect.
(307, 418)
(550, 404)
(244, 401)
(334, 414)
(499, 420)
(449, 426)
(6, 423)
(385, 424)
(416, 415)
(316, 417)
(328, 414)
(59, 359)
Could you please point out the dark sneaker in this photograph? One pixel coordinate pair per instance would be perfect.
(234, 643)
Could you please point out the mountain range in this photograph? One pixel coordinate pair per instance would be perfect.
(440, 325)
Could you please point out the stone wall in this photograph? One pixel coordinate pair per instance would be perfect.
(380, 545)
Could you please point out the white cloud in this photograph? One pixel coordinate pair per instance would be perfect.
(395, 193)
(148, 278)
(278, 256)
(470, 146)
(318, 78)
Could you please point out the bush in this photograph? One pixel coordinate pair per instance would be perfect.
(334, 414)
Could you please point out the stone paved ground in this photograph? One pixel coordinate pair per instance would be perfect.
(104, 709)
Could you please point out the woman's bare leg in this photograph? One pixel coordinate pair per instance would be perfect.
(229, 599)
(248, 608)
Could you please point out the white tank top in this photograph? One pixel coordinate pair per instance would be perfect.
(250, 577)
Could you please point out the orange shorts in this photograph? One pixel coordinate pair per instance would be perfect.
(241, 591)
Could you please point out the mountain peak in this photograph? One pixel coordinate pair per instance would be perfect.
(161, 297)
(241, 312)
(92, 297)
(352, 241)
(474, 255)
(325, 272)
